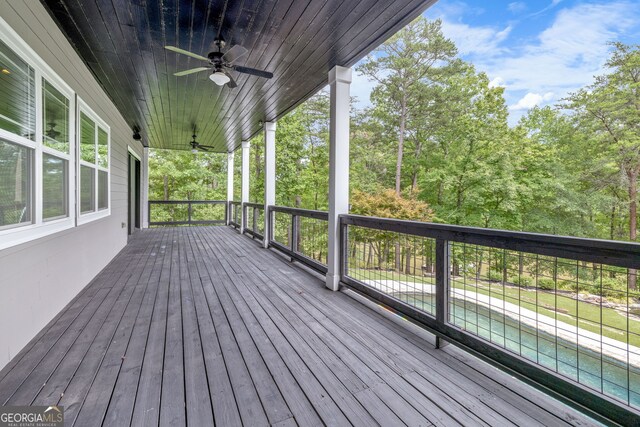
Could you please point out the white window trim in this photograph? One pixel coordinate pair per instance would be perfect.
(83, 218)
(133, 152)
(40, 228)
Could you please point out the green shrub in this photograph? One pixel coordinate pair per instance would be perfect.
(525, 281)
(613, 287)
(546, 283)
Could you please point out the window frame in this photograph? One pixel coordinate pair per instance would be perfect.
(38, 227)
(83, 218)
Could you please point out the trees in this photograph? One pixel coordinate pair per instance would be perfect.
(407, 65)
(183, 175)
(608, 113)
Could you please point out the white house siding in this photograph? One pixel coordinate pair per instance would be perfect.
(38, 278)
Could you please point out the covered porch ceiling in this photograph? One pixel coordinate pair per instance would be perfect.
(299, 41)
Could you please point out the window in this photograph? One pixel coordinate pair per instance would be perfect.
(17, 91)
(16, 204)
(37, 149)
(55, 179)
(93, 186)
(56, 156)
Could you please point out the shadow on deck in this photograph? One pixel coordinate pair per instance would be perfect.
(200, 325)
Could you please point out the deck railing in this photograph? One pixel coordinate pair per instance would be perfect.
(253, 220)
(187, 212)
(559, 311)
(301, 234)
(235, 214)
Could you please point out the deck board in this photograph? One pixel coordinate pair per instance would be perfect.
(201, 326)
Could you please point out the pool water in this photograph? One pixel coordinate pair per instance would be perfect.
(593, 369)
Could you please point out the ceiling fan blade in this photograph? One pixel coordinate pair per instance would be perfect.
(185, 52)
(253, 71)
(234, 54)
(203, 148)
(191, 71)
(231, 83)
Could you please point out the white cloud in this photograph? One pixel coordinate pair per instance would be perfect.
(517, 7)
(567, 54)
(531, 100)
(497, 82)
(475, 40)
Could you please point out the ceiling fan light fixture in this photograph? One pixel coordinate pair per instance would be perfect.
(219, 78)
(194, 150)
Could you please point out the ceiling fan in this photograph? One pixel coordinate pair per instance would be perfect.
(196, 146)
(220, 63)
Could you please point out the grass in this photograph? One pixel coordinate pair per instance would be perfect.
(591, 317)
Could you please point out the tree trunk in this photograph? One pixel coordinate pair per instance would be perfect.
(505, 271)
(612, 227)
(165, 181)
(633, 218)
(299, 237)
(403, 122)
(407, 253)
(414, 179)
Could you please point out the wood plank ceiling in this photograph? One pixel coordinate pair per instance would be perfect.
(299, 41)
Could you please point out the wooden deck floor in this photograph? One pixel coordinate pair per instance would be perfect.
(196, 326)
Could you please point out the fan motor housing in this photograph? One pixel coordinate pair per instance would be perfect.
(215, 57)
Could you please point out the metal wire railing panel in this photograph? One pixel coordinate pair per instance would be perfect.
(301, 234)
(399, 265)
(282, 232)
(562, 311)
(312, 239)
(187, 212)
(253, 219)
(235, 214)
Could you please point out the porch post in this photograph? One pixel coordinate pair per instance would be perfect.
(246, 146)
(269, 176)
(144, 191)
(230, 157)
(339, 81)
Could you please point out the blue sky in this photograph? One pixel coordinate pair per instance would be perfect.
(538, 50)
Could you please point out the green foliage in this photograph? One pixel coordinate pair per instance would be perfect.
(183, 175)
(546, 283)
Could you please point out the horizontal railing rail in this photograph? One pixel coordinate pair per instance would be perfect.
(187, 212)
(555, 311)
(301, 234)
(253, 220)
(235, 214)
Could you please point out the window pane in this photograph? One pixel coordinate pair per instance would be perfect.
(103, 148)
(15, 184)
(103, 190)
(54, 187)
(17, 92)
(87, 189)
(55, 112)
(87, 139)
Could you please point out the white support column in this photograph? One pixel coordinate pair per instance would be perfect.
(230, 157)
(244, 198)
(144, 196)
(269, 175)
(339, 81)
